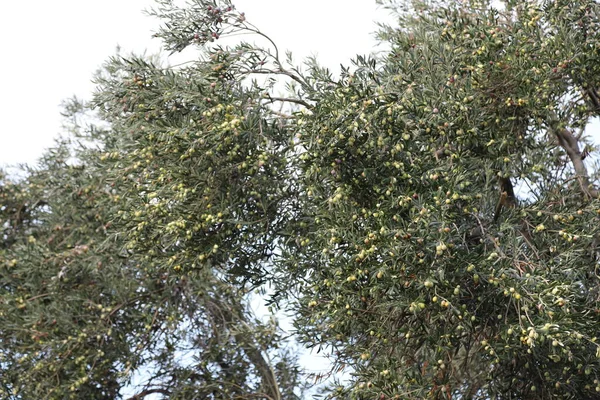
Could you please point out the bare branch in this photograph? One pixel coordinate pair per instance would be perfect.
(297, 78)
(570, 145)
(142, 395)
(272, 99)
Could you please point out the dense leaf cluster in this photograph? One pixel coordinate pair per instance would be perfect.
(430, 276)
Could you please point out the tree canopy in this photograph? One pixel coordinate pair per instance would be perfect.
(429, 216)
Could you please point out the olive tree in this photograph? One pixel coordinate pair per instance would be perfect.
(452, 217)
(429, 215)
(128, 250)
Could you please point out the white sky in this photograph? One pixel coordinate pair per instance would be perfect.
(52, 48)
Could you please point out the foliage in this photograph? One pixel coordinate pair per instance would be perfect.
(431, 216)
(428, 276)
(82, 314)
(120, 244)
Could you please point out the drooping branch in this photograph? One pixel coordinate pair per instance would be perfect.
(570, 145)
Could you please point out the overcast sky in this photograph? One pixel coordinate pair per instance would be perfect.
(52, 47)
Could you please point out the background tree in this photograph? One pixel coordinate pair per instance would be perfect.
(120, 248)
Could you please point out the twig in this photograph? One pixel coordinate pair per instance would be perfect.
(287, 99)
(280, 114)
(39, 296)
(280, 72)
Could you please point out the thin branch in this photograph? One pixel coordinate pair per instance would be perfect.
(39, 296)
(254, 29)
(280, 72)
(272, 99)
(594, 98)
(280, 114)
(142, 395)
(232, 314)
